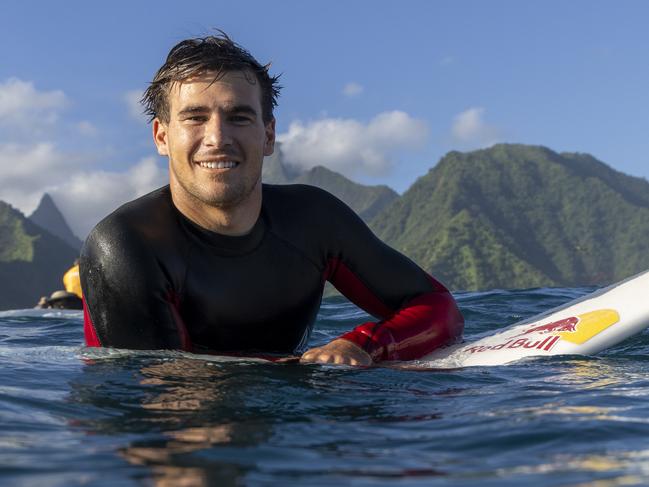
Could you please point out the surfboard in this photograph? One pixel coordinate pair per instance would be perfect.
(584, 326)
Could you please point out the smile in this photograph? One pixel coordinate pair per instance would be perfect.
(218, 165)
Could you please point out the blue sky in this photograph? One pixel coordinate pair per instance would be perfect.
(374, 89)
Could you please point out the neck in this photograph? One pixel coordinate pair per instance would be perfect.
(233, 221)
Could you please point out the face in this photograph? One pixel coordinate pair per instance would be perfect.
(215, 140)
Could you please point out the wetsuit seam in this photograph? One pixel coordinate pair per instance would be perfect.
(374, 294)
(179, 294)
(183, 281)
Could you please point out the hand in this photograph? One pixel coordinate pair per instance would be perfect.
(338, 351)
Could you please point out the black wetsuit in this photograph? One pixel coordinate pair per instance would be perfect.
(152, 279)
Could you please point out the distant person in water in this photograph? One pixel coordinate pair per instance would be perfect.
(71, 297)
(60, 300)
(217, 262)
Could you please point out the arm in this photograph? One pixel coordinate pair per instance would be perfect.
(416, 314)
(423, 324)
(129, 299)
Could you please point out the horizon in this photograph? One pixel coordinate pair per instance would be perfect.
(395, 86)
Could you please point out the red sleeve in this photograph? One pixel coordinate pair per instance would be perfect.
(424, 323)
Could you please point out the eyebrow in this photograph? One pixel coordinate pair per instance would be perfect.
(193, 109)
(230, 109)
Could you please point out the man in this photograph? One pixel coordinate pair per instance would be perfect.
(217, 262)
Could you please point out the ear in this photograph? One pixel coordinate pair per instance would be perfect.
(269, 145)
(160, 137)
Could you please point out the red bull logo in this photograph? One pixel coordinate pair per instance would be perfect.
(567, 324)
(574, 329)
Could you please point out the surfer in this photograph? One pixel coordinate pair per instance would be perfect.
(70, 298)
(216, 262)
(60, 300)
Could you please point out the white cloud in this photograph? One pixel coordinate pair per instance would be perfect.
(26, 170)
(18, 97)
(83, 196)
(25, 110)
(353, 89)
(351, 147)
(87, 197)
(32, 163)
(469, 128)
(135, 109)
(23, 167)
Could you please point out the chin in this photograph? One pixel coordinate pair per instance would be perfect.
(226, 198)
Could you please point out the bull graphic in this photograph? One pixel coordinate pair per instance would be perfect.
(567, 324)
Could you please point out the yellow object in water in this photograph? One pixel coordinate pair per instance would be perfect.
(72, 282)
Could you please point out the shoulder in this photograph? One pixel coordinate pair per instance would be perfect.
(303, 199)
(132, 225)
(141, 210)
(139, 214)
(307, 216)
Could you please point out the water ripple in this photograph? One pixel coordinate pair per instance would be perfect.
(76, 416)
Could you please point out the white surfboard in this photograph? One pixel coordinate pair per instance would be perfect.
(584, 326)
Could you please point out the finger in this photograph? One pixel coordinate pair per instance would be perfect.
(306, 357)
(316, 357)
(309, 353)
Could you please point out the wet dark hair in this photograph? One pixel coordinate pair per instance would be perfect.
(192, 57)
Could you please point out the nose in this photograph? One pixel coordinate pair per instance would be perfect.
(217, 133)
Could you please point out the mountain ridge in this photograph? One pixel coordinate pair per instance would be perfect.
(521, 216)
(366, 201)
(48, 216)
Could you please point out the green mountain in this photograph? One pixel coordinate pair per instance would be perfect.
(516, 216)
(366, 201)
(32, 261)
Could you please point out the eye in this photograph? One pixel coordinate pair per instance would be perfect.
(241, 119)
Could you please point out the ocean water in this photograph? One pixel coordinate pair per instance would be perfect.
(75, 416)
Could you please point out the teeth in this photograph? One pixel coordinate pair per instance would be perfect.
(218, 165)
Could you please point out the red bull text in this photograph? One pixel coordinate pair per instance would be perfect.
(545, 344)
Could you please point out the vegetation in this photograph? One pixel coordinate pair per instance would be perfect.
(15, 243)
(516, 216)
(32, 261)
